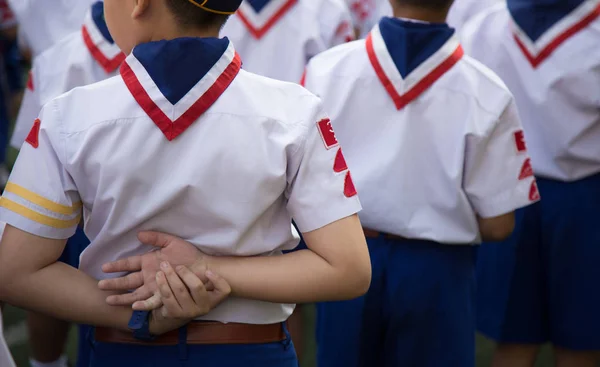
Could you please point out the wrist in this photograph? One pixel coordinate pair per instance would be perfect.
(201, 265)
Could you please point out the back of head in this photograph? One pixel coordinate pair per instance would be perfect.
(191, 14)
(132, 22)
(434, 11)
(435, 5)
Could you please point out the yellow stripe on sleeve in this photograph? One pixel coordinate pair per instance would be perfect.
(37, 217)
(41, 201)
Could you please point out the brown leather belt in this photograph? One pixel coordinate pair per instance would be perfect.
(202, 332)
(369, 233)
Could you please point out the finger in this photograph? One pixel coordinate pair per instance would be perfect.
(180, 291)
(156, 239)
(196, 288)
(127, 299)
(209, 286)
(152, 303)
(170, 305)
(133, 263)
(222, 289)
(130, 281)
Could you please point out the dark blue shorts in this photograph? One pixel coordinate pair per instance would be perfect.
(419, 310)
(543, 283)
(279, 354)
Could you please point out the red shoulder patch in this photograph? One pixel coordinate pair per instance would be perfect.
(526, 170)
(520, 141)
(534, 193)
(349, 188)
(327, 133)
(33, 137)
(303, 79)
(340, 164)
(30, 82)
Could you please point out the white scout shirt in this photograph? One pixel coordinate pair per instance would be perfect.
(85, 57)
(463, 10)
(432, 137)
(43, 23)
(550, 60)
(276, 38)
(367, 13)
(219, 156)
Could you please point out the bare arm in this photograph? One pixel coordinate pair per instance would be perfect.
(497, 228)
(336, 267)
(31, 278)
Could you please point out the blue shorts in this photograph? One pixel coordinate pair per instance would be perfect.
(70, 256)
(419, 310)
(74, 248)
(279, 354)
(542, 284)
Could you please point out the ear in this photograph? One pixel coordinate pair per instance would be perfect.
(140, 7)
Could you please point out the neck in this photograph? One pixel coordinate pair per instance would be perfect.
(169, 34)
(416, 13)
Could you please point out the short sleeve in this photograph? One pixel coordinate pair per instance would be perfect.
(40, 197)
(320, 188)
(498, 177)
(28, 112)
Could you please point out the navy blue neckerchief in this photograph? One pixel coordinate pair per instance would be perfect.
(412, 43)
(98, 18)
(176, 66)
(535, 17)
(258, 5)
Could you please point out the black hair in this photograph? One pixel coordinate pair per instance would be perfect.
(427, 4)
(190, 15)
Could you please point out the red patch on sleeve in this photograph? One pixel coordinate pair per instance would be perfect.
(534, 193)
(520, 141)
(349, 188)
(327, 133)
(30, 82)
(526, 170)
(340, 164)
(33, 137)
(345, 30)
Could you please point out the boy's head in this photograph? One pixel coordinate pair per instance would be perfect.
(427, 8)
(132, 22)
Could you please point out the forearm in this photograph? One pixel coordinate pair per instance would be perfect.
(297, 277)
(63, 292)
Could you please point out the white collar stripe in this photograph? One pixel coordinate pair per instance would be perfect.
(405, 90)
(107, 54)
(174, 119)
(538, 51)
(258, 24)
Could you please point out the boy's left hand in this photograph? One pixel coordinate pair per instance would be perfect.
(184, 297)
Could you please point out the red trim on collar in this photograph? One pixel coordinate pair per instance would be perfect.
(109, 65)
(258, 33)
(538, 59)
(170, 128)
(402, 100)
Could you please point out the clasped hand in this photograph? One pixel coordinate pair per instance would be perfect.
(173, 282)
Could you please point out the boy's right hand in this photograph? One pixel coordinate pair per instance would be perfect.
(184, 297)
